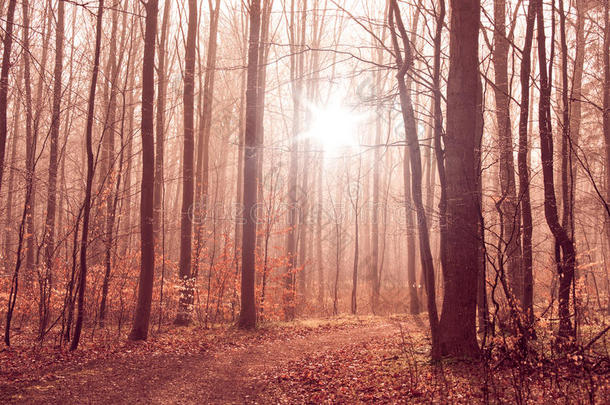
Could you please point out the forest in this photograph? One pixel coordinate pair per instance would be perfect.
(305, 201)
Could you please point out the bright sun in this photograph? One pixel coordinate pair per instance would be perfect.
(334, 127)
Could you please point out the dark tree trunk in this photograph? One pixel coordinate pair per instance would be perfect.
(160, 124)
(524, 172)
(510, 245)
(439, 135)
(606, 107)
(186, 224)
(6, 65)
(565, 263)
(606, 113)
(203, 150)
(30, 142)
(415, 159)
(458, 320)
(139, 329)
(247, 316)
(49, 239)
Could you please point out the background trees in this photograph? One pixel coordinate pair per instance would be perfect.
(368, 151)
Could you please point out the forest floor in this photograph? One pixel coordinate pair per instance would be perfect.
(345, 360)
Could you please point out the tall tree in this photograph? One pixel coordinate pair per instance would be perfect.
(113, 173)
(160, 124)
(139, 330)
(247, 316)
(566, 260)
(404, 65)
(203, 149)
(510, 245)
(186, 224)
(49, 232)
(523, 166)
(439, 133)
(296, 37)
(457, 325)
(4, 73)
(606, 105)
(82, 277)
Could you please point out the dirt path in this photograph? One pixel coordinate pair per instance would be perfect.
(228, 376)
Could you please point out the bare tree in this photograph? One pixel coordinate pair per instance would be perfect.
(565, 263)
(186, 224)
(139, 329)
(4, 73)
(511, 246)
(247, 316)
(82, 276)
(49, 235)
(523, 166)
(457, 323)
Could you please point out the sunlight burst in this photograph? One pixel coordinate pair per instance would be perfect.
(334, 127)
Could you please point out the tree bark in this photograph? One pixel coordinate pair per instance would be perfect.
(247, 316)
(186, 223)
(139, 329)
(4, 73)
(49, 239)
(523, 166)
(511, 245)
(565, 263)
(160, 124)
(412, 142)
(458, 320)
(606, 106)
(203, 150)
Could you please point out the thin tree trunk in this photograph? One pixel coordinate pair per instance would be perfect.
(203, 151)
(82, 278)
(247, 316)
(511, 246)
(160, 124)
(186, 224)
(438, 135)
(296, 71)
(565, 264)
(49, 239)
(6, 65)
(415, 159)
(606, 107)
(523, 166)
(139, 330)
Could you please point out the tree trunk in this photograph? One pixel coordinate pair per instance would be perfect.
(30, 142)
(296, 74)
(82, 277)
(186, 224)
(6, 65)
(355, 205)
(160, 124)
(438, 135)
(565, 263)
(49, 239)
(458, 320)
(139, 330)
(247, 316)
(510, 245)
(203, 150)
(412, 142)
(606, 107)
(523, 166)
